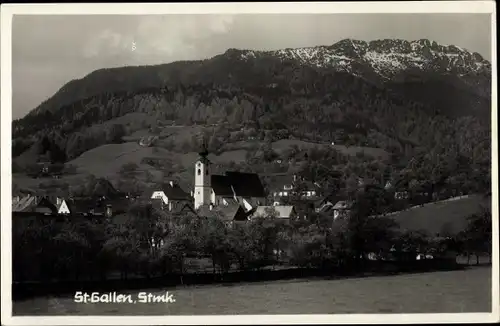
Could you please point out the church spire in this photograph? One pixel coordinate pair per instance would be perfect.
(204, 151)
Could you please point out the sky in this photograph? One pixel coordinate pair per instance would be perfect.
(48, 51)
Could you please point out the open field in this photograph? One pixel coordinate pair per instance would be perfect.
(438, 292)
(447, 215)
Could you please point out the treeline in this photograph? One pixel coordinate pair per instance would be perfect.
(147, 242)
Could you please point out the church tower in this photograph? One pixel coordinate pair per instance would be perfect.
(202, 176)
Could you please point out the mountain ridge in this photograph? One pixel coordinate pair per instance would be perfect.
(377, 61)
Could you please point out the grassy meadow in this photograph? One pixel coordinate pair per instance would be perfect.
(437, 292)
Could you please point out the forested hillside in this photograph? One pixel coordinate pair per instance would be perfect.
(413, 99)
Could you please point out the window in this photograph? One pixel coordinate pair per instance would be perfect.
(206, 171)
(199, 171)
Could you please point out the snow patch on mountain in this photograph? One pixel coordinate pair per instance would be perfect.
(386, 57)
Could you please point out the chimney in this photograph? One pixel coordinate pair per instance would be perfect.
(172, 183)
(58, 200)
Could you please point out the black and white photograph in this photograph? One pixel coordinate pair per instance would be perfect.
(176, 162)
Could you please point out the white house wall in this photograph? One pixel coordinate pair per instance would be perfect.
(63, 209)
(160, 195)
(247, 205)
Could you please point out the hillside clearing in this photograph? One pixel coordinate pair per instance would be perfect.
(449, 215)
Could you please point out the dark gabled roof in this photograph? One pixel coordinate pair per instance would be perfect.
(175, 192)
(45, 203)
(226, 213)
(184, 208)
(221, 185)
(246, 184)
(104, 188)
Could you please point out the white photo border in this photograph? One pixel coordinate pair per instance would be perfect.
(7, 12)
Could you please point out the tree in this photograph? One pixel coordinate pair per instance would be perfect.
(410, 243)
(115, 133)
(477, 236)
(366, 231)
(215, 243)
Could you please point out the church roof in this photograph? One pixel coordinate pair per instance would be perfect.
(243, 184)
(221, 185)
(246, 184)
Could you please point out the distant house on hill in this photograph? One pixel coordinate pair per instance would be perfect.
(103, 188)
(342, 209)
(400, 187)
(44, 168)
(170, 196)
(335, 205)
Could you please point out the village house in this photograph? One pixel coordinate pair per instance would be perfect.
(34, 204)
(91, 206)
(340, 209)
(335, 205)
(171, 197)
(399, 187)
(284, 186)
(229, 214)
(62, 206)
(240, 188)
